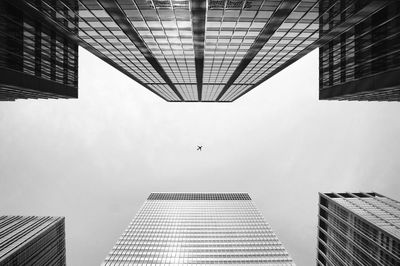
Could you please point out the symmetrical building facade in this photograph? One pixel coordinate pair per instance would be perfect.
(201, 50)
(358, 229)
(32, 240)
(198, 229)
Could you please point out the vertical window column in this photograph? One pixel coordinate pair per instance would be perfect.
(198, 12)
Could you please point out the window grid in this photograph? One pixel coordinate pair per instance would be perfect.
(103, 34)
(102, 37)
(33, 48)
(231, 29)
(368, 50)
(366, 224)
(166, 28)
(297, 32)
(198, 228)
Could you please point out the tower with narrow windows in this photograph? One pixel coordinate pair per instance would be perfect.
(198, 229)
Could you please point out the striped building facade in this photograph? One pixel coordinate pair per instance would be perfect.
(358, 229)
(198, 229)
(38, 50)
(32, 240)
(362, 61)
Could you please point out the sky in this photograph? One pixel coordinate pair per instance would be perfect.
(95, 159)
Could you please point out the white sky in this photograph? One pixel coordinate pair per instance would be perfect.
(96, 159)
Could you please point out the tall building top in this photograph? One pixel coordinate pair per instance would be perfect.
(199, 50)
(358, 229)
(377, 209)
(198, 229)
(199, 196)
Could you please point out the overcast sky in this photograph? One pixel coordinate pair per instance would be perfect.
(95, 159)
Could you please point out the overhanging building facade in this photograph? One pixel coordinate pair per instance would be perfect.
(218, 50)
(358, 229)
(32, 240)
(198, 229)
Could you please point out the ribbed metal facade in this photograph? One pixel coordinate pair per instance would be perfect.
(32, 240)
(358, 229)
(198, 229)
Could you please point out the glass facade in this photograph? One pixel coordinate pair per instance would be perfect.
(37, 59)
(32, 240)
(276, 31)
(201, 50)
(198, 229)
(125, 32)
(358, 229)
(363, 61)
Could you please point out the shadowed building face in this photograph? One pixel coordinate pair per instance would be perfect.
(201, 229)
(362, 62)
(38, 50)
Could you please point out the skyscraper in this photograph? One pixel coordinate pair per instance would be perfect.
(358, 229)
(198, 228)
(38, 53)
(32, 240)
(363, 61)
(209, 50)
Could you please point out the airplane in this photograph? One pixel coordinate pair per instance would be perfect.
(199, 147)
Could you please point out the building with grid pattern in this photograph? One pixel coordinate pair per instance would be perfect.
(363, 61)
(32, 240)
(358, 229)
(38, 53)
(200, 50)
(198, 229)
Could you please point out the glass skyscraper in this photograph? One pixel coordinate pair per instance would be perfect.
(358, 229)
(198, 229)
(201, 50)
(32, 240)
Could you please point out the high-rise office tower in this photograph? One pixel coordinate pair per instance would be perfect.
(216, 50)
(38, 53)
(32, 240)
(363, 61)
(358, 229)
(200, 50)
(198, 229)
